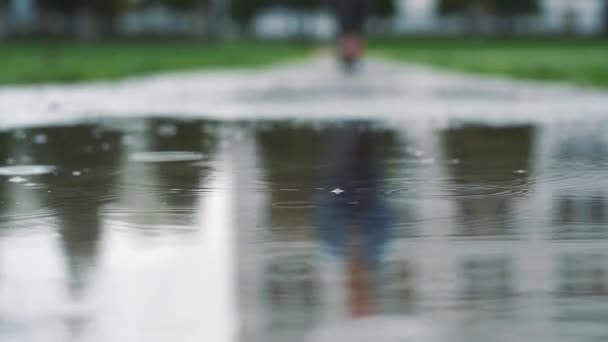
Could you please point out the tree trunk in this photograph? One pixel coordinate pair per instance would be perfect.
(217, 19)
(301, 33)
(605, 18)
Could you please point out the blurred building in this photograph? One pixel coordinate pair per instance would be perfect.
(285, 23)
(158, 20)
(18, 16)
(582, 17)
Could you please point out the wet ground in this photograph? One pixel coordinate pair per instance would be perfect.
(165, 229)
(409, 205)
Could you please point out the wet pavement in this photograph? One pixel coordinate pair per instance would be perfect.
(311, 89)
(416, 227)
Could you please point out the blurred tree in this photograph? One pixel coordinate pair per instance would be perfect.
(218, 18)
(105, 12)
(301, 9)
(508, 11)
(605, 17)
(65, 7)
(215, 12)
(99, 14)
(383, 8)
(200, 7)
(471, 10)
(511, 8)
(186, 4)
(243, 12)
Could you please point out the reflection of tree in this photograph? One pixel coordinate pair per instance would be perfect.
(487, 277)
(583, 274)
(297, 158)
(585, 148)
(179, 179)
(292, 160)
(77, 200)
(292, 289)
(165, 193)
(4, 154)
(397, 287)
(580, 217)
(491, 162)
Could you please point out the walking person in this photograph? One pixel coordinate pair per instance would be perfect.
(351, 16)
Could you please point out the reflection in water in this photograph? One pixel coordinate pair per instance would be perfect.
(583, 274)
(4, 155)
(487, 277)
(161, 194)
(330, 213)
(353, 218)
(341, 231)
(92, 165)
(492, 168)
(580, 218)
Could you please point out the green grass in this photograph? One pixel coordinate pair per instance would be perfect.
(37, 62)
(583, 62)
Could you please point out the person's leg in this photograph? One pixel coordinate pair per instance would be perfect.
(351, 16)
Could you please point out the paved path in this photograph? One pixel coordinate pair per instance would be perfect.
(312, 89)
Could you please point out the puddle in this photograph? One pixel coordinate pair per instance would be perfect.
(326, 231)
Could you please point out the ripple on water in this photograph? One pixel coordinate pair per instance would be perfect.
(26, 170)
(158, 221)
(166, 157)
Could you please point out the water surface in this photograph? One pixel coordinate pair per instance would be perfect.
(163, 229)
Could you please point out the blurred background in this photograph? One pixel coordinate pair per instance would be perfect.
(310, 19)
(77, 40)
(275, 204)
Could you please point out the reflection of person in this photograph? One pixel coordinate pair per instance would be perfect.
(351, 16)
(355, 222)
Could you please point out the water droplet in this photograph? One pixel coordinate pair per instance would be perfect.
(337, 191)
(76, 173)
(454, 161)
(520, 172)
